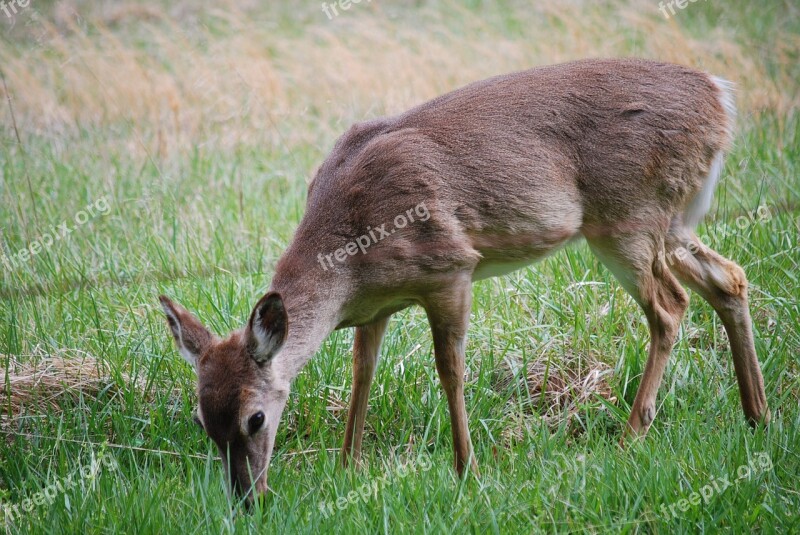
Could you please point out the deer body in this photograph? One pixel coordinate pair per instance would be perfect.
(624, 153)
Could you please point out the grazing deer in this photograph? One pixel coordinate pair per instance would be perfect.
(625, 153)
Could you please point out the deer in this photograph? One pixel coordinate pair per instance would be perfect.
(622, 153)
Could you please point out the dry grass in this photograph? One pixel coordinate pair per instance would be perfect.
(49, 385)
(555, 388)
(233, 76)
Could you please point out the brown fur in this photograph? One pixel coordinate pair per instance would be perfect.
(510, 169)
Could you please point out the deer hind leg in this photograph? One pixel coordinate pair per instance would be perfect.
(637, 261)
(723, 284)
(365, 358)
(448, 314)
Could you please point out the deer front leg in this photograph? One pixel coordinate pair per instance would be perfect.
(448, 314)
(365, 357)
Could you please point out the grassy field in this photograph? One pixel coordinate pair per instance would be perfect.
(174, 142)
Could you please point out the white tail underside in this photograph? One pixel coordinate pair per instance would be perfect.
(698, 207)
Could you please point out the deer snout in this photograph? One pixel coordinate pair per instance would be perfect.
(248, 478)
(257, 492)
(243, 487)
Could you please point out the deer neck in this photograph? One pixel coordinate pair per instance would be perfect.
(314, 301)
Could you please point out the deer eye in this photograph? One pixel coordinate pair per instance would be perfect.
(255, 422)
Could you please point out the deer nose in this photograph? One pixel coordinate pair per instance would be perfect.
(258, 488)
(261, 486)
(259, 492)
(247, 490)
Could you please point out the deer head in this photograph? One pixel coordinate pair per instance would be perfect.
(241, 394)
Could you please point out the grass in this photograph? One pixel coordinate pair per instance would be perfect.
(200, 127)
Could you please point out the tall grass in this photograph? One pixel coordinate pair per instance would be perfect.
(201, 124)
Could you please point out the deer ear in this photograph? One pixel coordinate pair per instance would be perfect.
(267, 328)
(190, 335)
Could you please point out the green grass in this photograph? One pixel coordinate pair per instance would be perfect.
(206, 228)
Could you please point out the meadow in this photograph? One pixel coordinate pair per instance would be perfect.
(166, 147)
